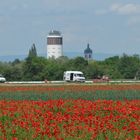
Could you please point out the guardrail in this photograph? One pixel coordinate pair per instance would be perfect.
(62, 82)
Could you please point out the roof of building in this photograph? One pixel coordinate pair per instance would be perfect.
(55, 33)
(88, 50)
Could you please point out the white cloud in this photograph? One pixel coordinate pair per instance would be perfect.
(126, 9)
(115, 7)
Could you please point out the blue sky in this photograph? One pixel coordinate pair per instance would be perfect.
(109, 26)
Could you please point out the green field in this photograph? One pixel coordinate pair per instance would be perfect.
(89, 95)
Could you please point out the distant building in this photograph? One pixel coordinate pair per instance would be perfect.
(88, 53)
(54, 44)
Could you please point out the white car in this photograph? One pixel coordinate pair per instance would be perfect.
(2, 79)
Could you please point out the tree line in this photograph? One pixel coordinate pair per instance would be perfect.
(37, 68)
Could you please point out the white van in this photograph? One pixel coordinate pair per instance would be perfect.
(73, 76)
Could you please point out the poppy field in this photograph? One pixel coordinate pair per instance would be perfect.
(70, 112)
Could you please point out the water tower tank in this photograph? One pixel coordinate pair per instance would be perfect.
(54, 44)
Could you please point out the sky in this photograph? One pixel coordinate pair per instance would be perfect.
(109, 26)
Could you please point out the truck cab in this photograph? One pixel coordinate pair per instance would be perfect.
(73, 76)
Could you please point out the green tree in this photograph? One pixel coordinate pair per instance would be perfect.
(33, 68)
(16, 61)
(128, 66)
(93, 70)
(110, 66)
(13, 73)
(55, 68)
(79, 63)
(32, 51)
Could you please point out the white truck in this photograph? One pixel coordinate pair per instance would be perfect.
(2, 79)
(73, 76)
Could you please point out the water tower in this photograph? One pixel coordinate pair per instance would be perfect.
(54, 44)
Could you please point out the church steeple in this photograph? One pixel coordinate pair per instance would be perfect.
(88, 53)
